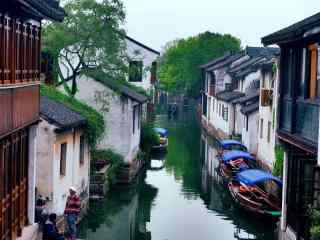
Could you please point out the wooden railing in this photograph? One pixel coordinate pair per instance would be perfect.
(19, 51)
(19, 106)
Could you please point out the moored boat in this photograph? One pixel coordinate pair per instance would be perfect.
(164, 141)
(257, 192)
(230, 145)
(235, 161)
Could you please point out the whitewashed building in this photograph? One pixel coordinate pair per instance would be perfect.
(121, 108)
(268, 112)
(63, 155)
(231, 96)
(142, 64)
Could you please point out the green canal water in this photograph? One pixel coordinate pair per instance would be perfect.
(179, 198)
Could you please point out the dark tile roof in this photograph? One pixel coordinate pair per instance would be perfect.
(133, 94)
(244, 65)
(229, 60)
(229, 96)
(262, 51)
(216, 60)
(292, 32)
(142, 45)
(49, 9)
(60, 115)
(250, 108)
(247, 98)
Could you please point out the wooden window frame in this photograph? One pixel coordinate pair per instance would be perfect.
(63, 159)
(136, 71)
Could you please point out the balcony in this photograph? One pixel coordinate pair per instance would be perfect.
(299, 122)
(19, 107)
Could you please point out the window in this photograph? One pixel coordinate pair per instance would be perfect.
(225, 113)
(82, 150)
(139, 116)
(213, 104)
(312, 72)
(269, 131)
(247, 123)
(135, 71)
(63, 159)
(153, 72)
(135, 118)
(261, 128)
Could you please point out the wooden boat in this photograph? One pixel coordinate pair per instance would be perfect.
(164, 141)
(232, 162)
(257, 192)
(230, 145)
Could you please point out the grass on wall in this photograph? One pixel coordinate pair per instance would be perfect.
(278, 165)
(95, 127)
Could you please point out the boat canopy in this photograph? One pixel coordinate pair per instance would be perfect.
(255, 176)
(161, 131)
(235, 154)
(230, 142)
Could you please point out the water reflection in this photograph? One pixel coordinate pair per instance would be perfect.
(179, 196)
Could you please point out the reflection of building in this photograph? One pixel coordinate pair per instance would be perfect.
(124, 215)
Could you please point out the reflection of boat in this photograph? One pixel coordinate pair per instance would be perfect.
(229, 145)
(235, 161)
(256, 191)
(163, 134)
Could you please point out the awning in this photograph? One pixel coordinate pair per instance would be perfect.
(233, 155)
(254, 176)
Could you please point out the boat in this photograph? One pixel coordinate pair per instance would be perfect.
(235, 161)
(257, 192)
(164, 141)
(230, 145)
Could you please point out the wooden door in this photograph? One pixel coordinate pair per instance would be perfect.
(13, 184)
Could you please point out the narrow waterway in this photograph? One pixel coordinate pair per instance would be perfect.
(178, 199)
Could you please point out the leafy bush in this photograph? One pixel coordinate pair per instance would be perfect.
(95, 127)
(315, 228)
(149, 138)
(111, 157)
(278, 165)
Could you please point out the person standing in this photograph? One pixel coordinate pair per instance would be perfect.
(72, 211)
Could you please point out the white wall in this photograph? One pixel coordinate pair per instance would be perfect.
(49, 181)
(137, 52)
(118, 117)
(217, 120)
(239, 123)
(266, 151)
(250, 137)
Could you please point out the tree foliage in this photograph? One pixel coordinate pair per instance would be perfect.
(89, 39)
(179, 65)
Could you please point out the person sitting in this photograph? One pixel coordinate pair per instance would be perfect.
(50, 230)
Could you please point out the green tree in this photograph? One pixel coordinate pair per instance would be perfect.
(88, 40)
(179, 65)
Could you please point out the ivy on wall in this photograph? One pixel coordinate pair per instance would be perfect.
(278, 164)
(95, 123)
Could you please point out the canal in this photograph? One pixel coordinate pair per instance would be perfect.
(177, 199)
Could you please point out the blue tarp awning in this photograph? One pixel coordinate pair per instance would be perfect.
(163, 132)
(233, 155)
(255, 176)
(225, 143)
